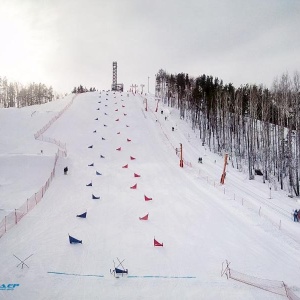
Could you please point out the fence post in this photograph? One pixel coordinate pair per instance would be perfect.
(27, 204)
(35, 199)
(285, 288)
(16, 220)
(5, 223)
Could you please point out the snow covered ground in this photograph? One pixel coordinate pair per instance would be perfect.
(200, 223)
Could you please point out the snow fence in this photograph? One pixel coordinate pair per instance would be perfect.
(15, 216)
(272, 286)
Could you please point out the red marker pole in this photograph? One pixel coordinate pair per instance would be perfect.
(181, 157)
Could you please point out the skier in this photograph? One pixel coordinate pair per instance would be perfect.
(66, 170)
(200, 160)
(296, 216)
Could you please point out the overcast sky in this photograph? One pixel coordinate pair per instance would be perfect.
(65, 43)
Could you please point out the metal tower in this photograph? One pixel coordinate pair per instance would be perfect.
(115, 85)
(115, 76)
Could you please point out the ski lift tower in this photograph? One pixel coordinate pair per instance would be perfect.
(115, 85)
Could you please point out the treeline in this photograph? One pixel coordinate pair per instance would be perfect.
(14, 94)
(80, 89)
(258, 127)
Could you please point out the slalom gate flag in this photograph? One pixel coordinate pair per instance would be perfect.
(147, 198)
(120, 271)
(125, 166)
(132, 158)
(82, 215)
(145, 218)
(157, 244)
(72, 240)
(134, 186)
(119, 149)
(136, 175)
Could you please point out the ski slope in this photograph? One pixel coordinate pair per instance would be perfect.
(199, 222)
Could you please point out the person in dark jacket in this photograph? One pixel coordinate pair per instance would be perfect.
(296, 216)
(66, 170)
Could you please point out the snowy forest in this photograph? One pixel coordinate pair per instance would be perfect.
(258, 127)
(14, 94)
(80, 89)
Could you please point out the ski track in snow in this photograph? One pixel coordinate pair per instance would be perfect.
(189, 213)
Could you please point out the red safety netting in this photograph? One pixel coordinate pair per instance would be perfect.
(15, 216)
(272, 286)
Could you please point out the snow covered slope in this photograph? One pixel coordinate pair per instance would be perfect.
(199, 222)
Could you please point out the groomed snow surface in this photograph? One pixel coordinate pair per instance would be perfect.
(200, 223)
